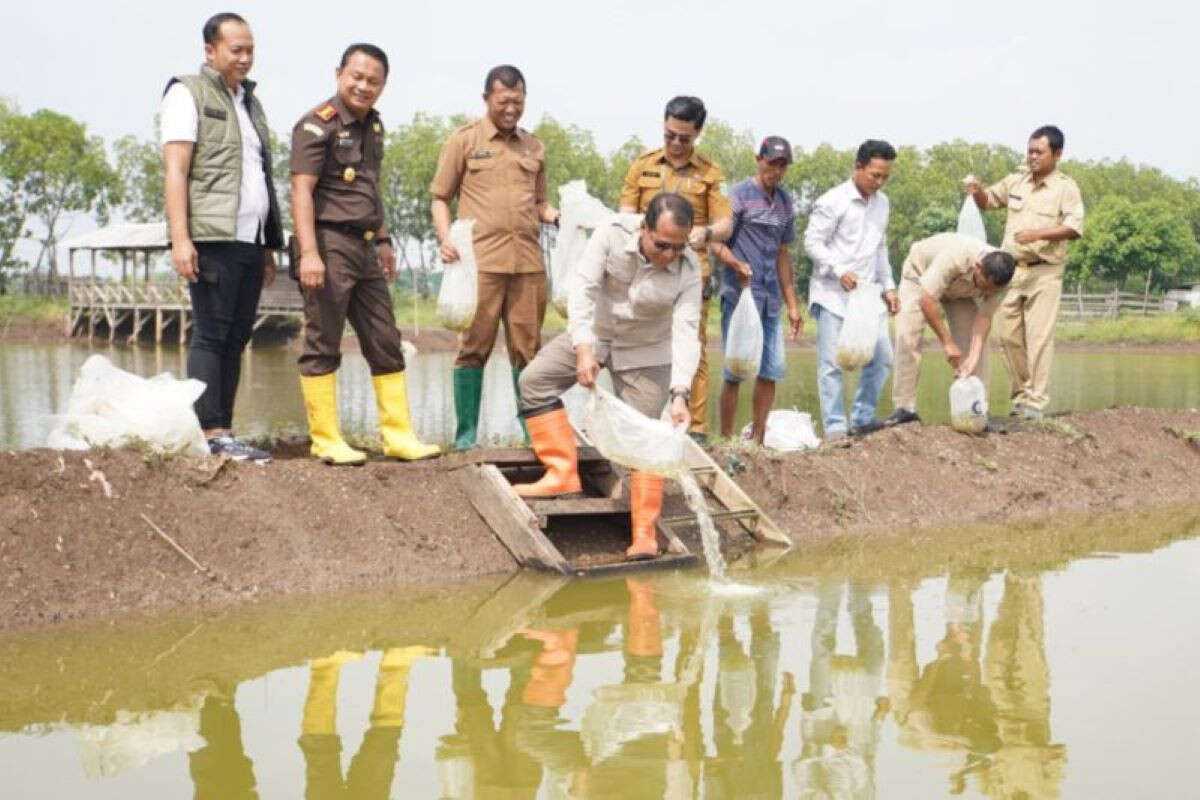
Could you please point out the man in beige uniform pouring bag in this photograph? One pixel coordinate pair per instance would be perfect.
(633, 308)
(1045, 211)
(346, 259)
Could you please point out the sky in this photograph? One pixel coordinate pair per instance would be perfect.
(1119, 79)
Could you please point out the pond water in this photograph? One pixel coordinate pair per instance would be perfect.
(1053, 664)
(36, 379)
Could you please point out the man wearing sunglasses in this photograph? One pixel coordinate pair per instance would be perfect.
(966, 277)
(634, 308)
(677, 167)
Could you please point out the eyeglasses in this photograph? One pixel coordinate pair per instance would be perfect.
(682, 138)
(663, 247)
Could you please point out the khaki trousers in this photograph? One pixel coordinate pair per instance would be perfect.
(1026, 328)
(910, 328)
(552, 372)
(698, 405)
(517, 300)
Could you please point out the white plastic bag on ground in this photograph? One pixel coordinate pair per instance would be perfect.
(860, 326)
(110, 407)
(744, 342)
(787, 430)
(460, 283)
(631, 439)
(581, 214)
(968, 405)
(970, 221)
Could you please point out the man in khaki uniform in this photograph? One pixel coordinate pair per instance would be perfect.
(1045, 211)
(965, 276)
(677, 167)
(634, 308)
(498, 173)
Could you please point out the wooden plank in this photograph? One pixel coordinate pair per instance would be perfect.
(519, 456)
(669, 561)
(509, 518)
(730, 495)
(565, 507)
(511, 608)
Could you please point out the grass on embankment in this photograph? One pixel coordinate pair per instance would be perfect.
(1178, 327)
(25, 309)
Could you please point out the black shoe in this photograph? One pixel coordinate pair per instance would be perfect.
(238, 451)
(870, 427)
(901, 416)
(699, 438)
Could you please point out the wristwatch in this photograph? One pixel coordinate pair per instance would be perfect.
(708, 234)
(686, 394)
(383, 240)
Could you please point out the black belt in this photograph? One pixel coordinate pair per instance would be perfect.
(366, 234)
(1037, 263)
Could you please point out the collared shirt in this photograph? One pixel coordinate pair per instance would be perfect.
(762, 225)
(1032, 204)
(179, 122)
(700, 181)
(943, 265)
(345, 153)
(648, 315)
(847, 232)
(500, 182)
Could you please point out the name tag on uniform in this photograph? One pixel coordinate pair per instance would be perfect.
(481, 152)
(215, 113)
(649, 174)
(345, 143)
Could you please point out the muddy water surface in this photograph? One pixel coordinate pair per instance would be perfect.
(35, 382)
(1056, 663)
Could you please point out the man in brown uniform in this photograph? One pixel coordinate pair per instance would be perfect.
(1045, 211)
(966, 278)
(346, 259)
(498, 173)
(677, 167)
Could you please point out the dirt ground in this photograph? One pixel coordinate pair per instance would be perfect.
(86, 534)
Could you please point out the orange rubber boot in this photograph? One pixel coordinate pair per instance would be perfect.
(645, 504)
(553, 669)
(553, 441)
(643, 635)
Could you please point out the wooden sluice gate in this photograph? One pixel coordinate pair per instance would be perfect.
(534, 529)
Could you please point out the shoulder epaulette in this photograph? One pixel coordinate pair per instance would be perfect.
(326, 112)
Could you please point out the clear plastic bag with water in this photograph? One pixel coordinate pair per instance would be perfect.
(630, 438)
(110, 407)
(744, 342)
(970, 221)
(968, 405)
(581, 214)
(860, 327)
(460, 282)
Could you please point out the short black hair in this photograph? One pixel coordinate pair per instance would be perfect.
(874, 148)
(998, 267)
(674, 204)
(1053, 134)
(509, 76)
(688, 109)
(212, 28)
(368, 50)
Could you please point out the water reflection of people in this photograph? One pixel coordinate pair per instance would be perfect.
(373, 766)
(221, 770)
(747, 726)
(844, 706)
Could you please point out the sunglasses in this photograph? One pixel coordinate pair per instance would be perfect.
(663, 247)
(682, 138)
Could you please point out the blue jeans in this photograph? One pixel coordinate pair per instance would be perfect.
(774, 362)
(829, 375)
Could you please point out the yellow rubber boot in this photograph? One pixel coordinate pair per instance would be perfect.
(320, 707)
(645, 504)
(399, 441)
(391, 688)
(320, 402)
(554, 444)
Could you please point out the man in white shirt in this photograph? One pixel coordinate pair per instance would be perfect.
(846, 239)
(222, 216)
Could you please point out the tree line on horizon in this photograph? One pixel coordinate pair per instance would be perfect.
(1142, 225)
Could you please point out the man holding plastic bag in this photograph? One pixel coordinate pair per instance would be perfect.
(634, 309)
(846, 239)
(966, 278)
(764, 224)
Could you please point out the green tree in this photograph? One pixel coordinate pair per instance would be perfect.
(55, 170)
(571, 154)
(140, 165)
(1127, 237)
(280, 150)
(12, 213)
(619, 162)
(733, 151)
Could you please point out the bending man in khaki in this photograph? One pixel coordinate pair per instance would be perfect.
(966, 277)
(1045, 211)
(634, 308)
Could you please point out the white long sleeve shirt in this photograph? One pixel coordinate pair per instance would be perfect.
(847, 232)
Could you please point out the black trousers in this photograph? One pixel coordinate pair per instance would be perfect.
(224, 302)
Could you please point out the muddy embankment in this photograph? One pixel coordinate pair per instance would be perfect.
(86, 534)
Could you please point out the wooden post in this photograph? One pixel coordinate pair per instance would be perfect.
(158, 325)
(146, 253)
(93, 255)
(1146, 294)
(124, 266)
(182, 326)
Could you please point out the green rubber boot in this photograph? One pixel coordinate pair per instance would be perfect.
(516, 373)
(468, 387)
